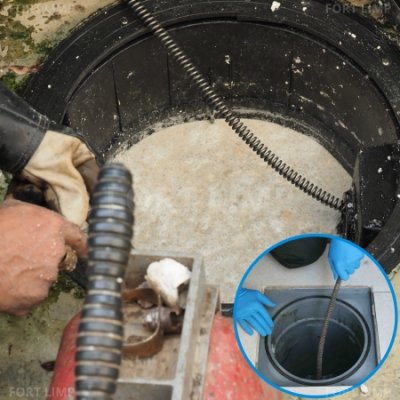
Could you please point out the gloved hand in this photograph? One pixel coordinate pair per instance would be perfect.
(250, 312)
(344, 258)
(33, 244)
(66, 171)
(33, 148)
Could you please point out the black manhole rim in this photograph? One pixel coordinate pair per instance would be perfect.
(324, 382)
(104, 35)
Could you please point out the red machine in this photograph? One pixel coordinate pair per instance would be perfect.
(228, 375)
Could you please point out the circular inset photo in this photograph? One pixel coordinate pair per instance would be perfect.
(315, 315)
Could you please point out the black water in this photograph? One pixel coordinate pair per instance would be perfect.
(296, 349)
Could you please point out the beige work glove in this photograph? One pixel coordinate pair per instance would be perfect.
(66, 171)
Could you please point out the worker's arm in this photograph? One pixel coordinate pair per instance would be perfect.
(21, 131)
(52, 157)
(344, 258)
(33, 242)
(33, 239)
(250, 311)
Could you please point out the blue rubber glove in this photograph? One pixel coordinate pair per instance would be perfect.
(250, 312)
(344, 259)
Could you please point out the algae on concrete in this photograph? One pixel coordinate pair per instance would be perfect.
(27, 343)
(29, 29)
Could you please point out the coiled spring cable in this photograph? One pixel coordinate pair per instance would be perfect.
(324, 333)
(249, 138)
(231, 118)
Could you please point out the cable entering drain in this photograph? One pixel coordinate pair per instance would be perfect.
(324, 333)
(216, 101)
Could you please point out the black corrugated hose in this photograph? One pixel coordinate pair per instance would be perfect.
(100, 335)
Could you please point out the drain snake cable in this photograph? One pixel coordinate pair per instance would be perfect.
(230, 117)
(324, 333)
(249, 138)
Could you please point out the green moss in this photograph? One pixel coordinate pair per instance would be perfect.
(25, 2)
(65, 284)
(10, 80)
(44, 47)
(54, 17)
(16, 37)
(17, 3)
(20, 35)
(16, 40)
(3, 190)
(12, 12)
(13, 81)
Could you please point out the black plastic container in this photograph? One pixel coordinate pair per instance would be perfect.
(292, 347)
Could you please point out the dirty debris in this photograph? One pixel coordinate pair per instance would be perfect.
(79, 7)
(364, 390)
(275, 6)
(48, 366)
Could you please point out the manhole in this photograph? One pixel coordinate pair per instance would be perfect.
(293, 345)
(327, 74)
(288, 356)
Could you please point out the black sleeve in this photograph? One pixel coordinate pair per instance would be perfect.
(21, 131)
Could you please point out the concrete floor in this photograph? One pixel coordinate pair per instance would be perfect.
(28, 342)
(199, 189)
